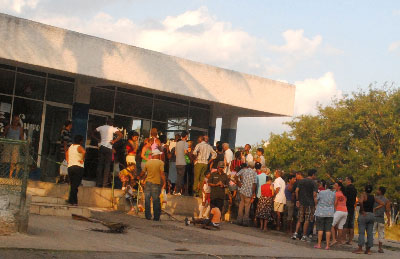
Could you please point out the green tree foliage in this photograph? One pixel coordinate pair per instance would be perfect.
(357, 135)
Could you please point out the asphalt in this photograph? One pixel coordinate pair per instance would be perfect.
(61, 237)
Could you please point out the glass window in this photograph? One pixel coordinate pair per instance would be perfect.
(165, 111)
(6, 81)
(194, 134)
(30, 86)
(30, 113)
(5, 110)
(101, 99)
(199, 117)
(133, 105)
(124, 124)
(59, 91)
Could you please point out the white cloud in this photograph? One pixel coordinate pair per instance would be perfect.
(396, 12)
(298, 44)
(311, 91)
(17, 5)
(394, 46)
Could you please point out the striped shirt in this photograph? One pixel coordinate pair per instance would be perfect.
(203, 151)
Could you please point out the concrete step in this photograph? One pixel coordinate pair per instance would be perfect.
(36, 191)
(48, 200)
(45, 209)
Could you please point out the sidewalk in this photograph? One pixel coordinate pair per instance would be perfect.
(172, 238)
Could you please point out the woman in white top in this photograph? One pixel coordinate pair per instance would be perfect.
(75, 157)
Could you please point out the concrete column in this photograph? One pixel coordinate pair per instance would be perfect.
(80, 109)
(212, 125)
(228, 129)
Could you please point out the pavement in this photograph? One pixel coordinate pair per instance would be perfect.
(63, 237)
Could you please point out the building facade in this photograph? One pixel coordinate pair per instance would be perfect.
(49, 75)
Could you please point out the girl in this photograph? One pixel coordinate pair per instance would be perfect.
(265, 205)
(146, 153)
(131, 147)
(340, 216)
(75, 157)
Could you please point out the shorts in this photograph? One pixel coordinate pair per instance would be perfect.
(339, 218)
(289, 209)
(279, 207)
(380, 228)
(130, 159)
(350, 220)
(324, 224)
(306, 213)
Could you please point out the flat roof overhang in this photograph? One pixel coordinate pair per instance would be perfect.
(94, 59)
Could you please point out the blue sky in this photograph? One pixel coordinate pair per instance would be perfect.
(326, 48)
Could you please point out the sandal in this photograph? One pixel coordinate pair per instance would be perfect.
(317, 246)
(358, 252)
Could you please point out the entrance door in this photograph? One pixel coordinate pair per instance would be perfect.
(54, 122)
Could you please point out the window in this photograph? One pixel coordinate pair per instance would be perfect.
(199, 117)
(30, 113)
(94, 122)
(60, 91)
(164, 111)
(5, 110)
(30, 86)
(6, 81)
(133, 105)
(102, 100)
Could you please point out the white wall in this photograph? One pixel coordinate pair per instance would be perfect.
(42, 45)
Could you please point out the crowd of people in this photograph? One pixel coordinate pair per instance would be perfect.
(238, 187)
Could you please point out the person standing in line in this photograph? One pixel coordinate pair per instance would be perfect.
(172, 174)
(324, 213)
(289, 208)
(65, 142)
(202, 152)
(154, 141)
(132, 147)
(340, 216)
(280, 198)
(181, 151)
(265, 206)
(153, 171)
(145, 153)
(366, 220)
(228, 157)
(351, 194)
(379, 225)
(260, 156)
(306, 194)
(11, 153)
(218, 182)
(247, 188)
(105, 152)
(247, 156)
(75, 157)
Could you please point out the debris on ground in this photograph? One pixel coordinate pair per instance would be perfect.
(113, 227)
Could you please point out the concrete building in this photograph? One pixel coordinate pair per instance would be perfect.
(49, 75)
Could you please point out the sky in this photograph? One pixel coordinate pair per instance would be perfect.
(328, 49)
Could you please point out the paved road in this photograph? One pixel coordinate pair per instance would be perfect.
(58, 237)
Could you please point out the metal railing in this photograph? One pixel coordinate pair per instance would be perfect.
(15, 162)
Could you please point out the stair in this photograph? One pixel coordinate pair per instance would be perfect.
(47, 200)
(46, 209)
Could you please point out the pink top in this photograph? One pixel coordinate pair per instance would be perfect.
(341, 201)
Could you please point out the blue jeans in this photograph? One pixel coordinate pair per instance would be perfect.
(153, 191)
(366, 223)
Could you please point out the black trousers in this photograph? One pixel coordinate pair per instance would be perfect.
(219, 203)
(103, 167)
(75, 174)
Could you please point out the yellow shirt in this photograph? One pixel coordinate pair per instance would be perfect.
(153, 168)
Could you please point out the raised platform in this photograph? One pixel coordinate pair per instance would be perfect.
(50, 199)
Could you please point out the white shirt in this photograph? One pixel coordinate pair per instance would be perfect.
(262, 160)
(74, 157)
(228, 158)
(106, 133)
(249, 158)
(280, 196)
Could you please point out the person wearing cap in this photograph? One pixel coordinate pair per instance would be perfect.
(218, 182)
(155, 182)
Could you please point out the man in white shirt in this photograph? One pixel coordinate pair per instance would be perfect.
(228, 157)
(280, 198)
(202, 151)
(247, 156)
(105, 152)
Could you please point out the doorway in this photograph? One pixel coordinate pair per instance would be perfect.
(55, 118)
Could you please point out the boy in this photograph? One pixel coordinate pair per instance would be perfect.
(127, 175)
(206, 190)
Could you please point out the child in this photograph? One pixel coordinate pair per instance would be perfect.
(127, 175)
(213, 220)
(204, 207)
(265, 206)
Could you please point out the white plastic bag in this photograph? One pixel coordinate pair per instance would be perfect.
(64, 168)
